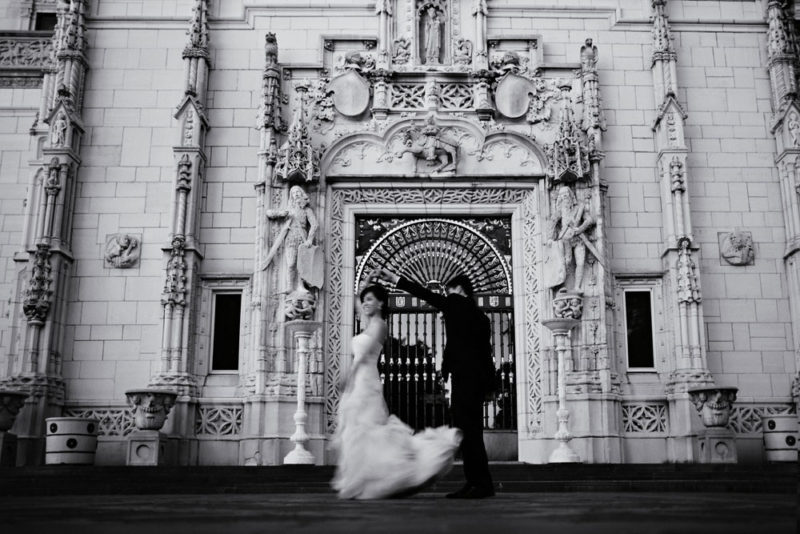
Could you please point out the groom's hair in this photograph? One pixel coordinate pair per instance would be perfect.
(463, 281)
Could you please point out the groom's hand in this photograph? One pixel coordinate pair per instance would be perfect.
(389, 276)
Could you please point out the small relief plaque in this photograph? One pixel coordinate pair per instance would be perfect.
(736, 248)
(122, 251)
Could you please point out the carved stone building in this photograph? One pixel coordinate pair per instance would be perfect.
(189, 188)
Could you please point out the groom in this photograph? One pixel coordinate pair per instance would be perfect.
(468, 357)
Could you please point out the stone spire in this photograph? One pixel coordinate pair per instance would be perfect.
(181, 254)
(568, 155)
(269, 113)
(298, 159)
(681, 256)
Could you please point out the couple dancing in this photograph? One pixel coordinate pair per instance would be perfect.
(379, 455)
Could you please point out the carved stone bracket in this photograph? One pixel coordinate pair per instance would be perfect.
(151, 406)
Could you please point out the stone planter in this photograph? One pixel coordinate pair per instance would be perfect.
(71, 440)
(714, 404)
(151, 407)
(10, 404)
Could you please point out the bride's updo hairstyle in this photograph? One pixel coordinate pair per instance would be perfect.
(381, 294)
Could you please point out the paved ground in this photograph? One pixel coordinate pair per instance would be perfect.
(532, 513)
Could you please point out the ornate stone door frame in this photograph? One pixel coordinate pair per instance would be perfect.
(520, 200)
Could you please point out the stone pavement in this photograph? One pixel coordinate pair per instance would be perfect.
(533, 513)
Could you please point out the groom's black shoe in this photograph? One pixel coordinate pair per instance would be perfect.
(479, 492)
(460, 493)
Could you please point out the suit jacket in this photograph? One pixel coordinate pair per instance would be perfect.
(468, 354)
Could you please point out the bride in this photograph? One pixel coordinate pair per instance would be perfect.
(379, 455)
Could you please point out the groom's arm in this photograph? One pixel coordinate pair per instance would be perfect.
(434, 299)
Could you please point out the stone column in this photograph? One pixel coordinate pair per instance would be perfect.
(37, 370)
(182, 255)
(782, 65)
(681, 256)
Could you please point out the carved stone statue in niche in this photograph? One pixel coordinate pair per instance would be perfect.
(427, 143)
(570, 224)
(122, 251)
(432, 25)
(736, 248)
(59, 135)
(302, 258)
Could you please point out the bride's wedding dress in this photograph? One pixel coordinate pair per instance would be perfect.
(379, 455)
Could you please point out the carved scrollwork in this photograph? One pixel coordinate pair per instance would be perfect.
(22, 53)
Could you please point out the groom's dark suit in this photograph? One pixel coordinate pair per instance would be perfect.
(468, 358)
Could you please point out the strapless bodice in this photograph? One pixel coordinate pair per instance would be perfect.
(365, 347)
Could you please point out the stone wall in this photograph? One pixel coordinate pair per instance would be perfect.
(135, 81)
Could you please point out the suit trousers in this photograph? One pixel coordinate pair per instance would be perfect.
(467, 414)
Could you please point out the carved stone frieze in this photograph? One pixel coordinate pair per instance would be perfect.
(25, 53)
(122, 251)
(736, 248)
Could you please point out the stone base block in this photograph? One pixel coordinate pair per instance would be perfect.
(717, 446)
(148, 447)
(8, 449)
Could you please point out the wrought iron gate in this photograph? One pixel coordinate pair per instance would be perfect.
(431, 251)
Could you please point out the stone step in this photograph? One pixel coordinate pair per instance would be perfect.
(509, 477)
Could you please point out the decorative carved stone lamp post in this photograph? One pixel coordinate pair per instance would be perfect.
(561, 328)
(714, 404)
(302, 334)
(10, 404)
(151, 406)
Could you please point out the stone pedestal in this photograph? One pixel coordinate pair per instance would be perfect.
(148, 447)
(717, 446)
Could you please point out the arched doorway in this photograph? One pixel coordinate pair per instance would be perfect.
(431, 251)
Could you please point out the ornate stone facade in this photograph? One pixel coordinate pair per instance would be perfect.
(621, 156)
